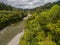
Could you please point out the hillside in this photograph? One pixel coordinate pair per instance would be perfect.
(43, 28)
(5, 7)
(42, 8)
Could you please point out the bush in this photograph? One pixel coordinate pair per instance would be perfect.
(9, 17)
(43, 29)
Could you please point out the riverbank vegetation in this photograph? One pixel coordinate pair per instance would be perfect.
(43, 28)
(9, 15)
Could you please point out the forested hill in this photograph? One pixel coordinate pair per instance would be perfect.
(5, 7)
(43, 8)
(43, 27)
(48, 5)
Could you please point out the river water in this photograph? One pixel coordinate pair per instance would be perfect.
(12, 32)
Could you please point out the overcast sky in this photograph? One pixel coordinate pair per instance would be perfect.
(27, 3)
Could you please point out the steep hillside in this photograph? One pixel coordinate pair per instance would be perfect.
(5, 7)
(43, 8)
(43, 28)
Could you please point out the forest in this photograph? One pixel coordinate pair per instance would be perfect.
(43, 27)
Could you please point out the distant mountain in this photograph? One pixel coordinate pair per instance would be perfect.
(43, 8)
(27, 4)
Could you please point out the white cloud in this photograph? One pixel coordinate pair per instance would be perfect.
(27, 3)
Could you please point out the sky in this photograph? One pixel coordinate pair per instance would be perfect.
(27, 4)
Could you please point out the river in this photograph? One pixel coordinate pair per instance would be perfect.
(11, 34)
